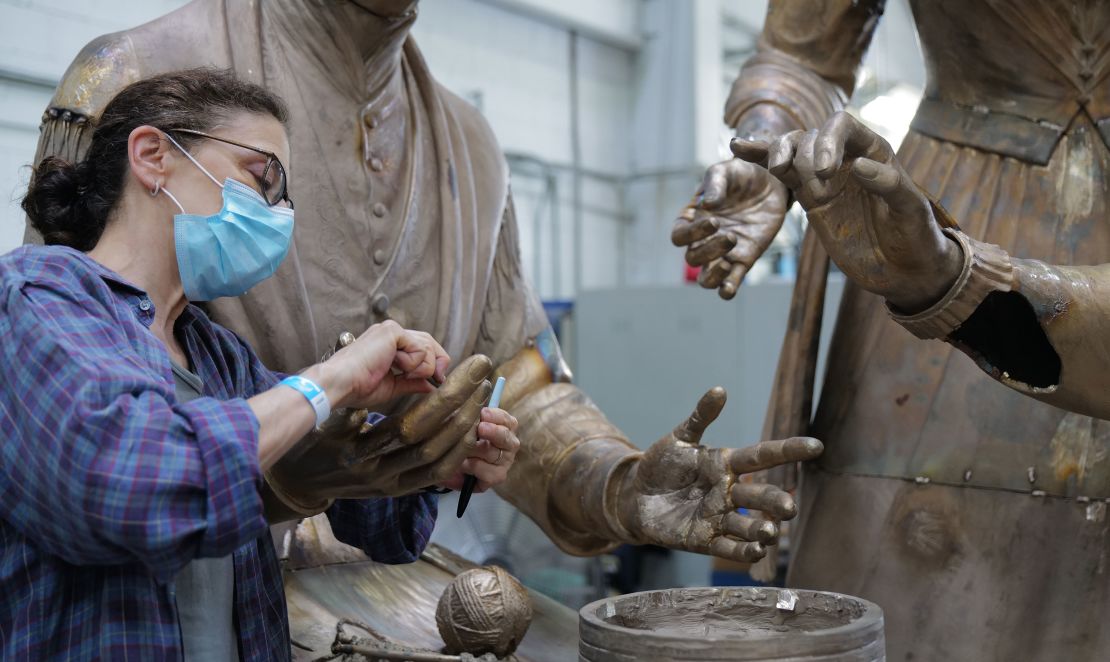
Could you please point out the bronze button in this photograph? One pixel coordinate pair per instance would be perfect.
(370, 121)
(379, 210)
(376, 165)
(380, 305)
(380, 256)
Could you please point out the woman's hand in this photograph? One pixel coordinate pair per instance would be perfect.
(491, 459)
(385, 363)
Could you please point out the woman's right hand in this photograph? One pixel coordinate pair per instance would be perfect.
(386, 362)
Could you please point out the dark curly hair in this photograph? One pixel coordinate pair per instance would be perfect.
(69, 203)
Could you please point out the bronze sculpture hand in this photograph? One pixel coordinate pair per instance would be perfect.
(685, 496)
(730, 222)
(875, 223)
(423, 446)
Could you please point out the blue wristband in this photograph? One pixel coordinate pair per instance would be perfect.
(313, 393)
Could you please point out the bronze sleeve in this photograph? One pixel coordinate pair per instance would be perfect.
(570, 463)
(804, 68)
(571, 458)
(1040, 329)
(1048, 337)
(569, 451)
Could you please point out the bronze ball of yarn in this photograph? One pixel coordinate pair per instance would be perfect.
(483, 610)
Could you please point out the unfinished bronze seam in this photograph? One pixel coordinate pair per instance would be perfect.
(925, 480)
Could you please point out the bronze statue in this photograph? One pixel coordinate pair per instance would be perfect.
(974, 516)
(404, 212)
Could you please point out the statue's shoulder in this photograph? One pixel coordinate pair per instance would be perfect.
(466, 113)
(483, 142)
(193, 35)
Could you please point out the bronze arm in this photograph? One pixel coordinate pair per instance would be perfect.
(804, 68)
(581, 480)
(555, 419)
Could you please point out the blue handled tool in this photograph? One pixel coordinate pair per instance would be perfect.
(469, 481)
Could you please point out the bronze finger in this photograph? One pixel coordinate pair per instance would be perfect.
(897, 189)
(687, 232)
(767, 454)
(845, 137)
(707, 410)
(423, 454)
(710, 249)
(737, 551)
(443, 468)
(752, 151)
(750, 528)
(428, 414)
(714, 186)
(449, 463)
(713, 274)
(765, 498)
(780, 158)
(732, 282)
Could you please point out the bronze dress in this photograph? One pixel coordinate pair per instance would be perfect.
(970, 513)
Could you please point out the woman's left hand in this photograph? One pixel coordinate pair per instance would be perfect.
(494, 454)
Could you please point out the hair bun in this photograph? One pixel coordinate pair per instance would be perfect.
(55, 206)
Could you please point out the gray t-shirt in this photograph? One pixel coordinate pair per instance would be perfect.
(205, 587)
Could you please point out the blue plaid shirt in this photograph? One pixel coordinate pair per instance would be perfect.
(109, 487)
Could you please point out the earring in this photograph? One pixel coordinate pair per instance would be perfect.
(157, 188)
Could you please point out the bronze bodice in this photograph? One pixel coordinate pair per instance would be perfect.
(1010, 76)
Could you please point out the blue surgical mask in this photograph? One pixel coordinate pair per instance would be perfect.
(227, 253)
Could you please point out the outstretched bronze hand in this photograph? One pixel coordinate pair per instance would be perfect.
(875, 223)
(730, 222)
(685, 496)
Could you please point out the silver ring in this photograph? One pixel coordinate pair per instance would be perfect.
(500, 453)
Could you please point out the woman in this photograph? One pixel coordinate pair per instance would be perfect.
(136, 430)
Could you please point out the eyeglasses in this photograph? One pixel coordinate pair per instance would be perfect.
(274, 181)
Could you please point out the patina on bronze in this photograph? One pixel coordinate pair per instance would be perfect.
(757, 623)
(938, 482)
(404, 212)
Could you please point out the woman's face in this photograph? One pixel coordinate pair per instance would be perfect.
(195, 191)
